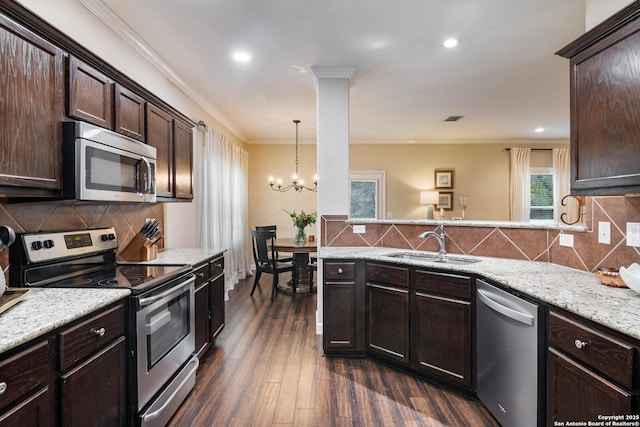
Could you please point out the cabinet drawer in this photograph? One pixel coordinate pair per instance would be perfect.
(388, 274)
(202, 274)
(216, 267)
(606, 354)
(79, 341)
(443, 284)
(24, 372)
(339, 270)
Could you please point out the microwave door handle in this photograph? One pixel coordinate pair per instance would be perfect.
(147, 186)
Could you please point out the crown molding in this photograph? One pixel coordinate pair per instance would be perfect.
(118, 26)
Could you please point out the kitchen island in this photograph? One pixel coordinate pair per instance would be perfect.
(410, 311)
(573, 290)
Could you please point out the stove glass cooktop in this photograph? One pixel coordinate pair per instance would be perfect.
(135, 277)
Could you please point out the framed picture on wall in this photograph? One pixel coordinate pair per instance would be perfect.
(445, 200)
(443, 178)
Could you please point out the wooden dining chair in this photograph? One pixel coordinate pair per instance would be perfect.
(265, 259)
(274, 228)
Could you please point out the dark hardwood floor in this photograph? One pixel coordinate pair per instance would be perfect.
(267, 369)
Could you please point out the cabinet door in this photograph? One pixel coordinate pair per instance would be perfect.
(160, 136)
(443, 337)
(32, 412)
(129, 113)
(216, 293)
(202, 319)
(93, 394)
(388, 322)
(90, 94)
(339, 316)
(183, 159)
(576, 393)
(31, 108)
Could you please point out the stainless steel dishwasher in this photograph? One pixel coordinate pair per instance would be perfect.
(509, 363)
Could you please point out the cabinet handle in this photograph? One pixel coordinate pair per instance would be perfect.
(3, 387)
(200, 274)
(99, 332)
(580, 344)
(339, 271)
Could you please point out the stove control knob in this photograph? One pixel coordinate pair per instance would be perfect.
(107, 237)
(112, 236)
(36, 245)
(48, 244)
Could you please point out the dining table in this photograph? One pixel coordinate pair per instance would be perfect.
(301, 277)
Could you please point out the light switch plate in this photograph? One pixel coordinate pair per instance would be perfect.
(633, 234)
(604, 232)
(359, 229)
(566, 240)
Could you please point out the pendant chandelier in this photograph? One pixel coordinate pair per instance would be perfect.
(296, 183)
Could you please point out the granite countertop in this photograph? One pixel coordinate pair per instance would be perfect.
(190, 256)
(46, 309)
(574, 290)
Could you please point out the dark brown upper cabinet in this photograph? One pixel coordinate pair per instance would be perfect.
(183, 159)
(31, 108)
(129, 113)
(605, 106)
(173, 141)
(90, 94)
(95, 98)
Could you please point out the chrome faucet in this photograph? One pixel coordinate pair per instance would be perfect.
(439, 237)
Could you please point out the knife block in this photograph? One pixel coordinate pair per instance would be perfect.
(139, 249)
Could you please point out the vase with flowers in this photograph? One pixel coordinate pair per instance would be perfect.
(301, 220)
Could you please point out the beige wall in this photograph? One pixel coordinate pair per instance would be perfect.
(481, 172)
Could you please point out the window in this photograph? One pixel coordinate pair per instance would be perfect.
(367, 194)
(541, 190)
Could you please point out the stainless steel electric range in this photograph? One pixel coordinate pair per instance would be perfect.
(160, 315)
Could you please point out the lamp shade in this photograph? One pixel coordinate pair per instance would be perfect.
(428, 197)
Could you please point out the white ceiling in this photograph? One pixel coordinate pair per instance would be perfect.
(503, 77)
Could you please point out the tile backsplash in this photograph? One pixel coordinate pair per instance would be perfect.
(516, 243)
(127, 219)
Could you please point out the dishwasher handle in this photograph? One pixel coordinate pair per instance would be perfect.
(509, 312)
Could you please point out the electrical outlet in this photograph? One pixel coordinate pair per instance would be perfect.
(566, 240)
(359, 229)
(604, 232)
(633, 234)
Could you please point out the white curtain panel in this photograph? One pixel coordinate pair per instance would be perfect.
(519, 194)
(562, 185)
(222, 212)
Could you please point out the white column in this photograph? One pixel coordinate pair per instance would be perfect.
(333, 151)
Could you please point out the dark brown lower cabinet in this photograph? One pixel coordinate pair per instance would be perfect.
(216, 298)
(27, 379)
(443, 337)
(209, 303)
(93, 393)
(575, 393)
(387, 302)
(591, 371)
(388, 322)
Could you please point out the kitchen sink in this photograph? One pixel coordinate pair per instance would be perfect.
(446, 259)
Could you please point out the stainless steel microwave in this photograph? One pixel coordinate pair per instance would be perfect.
(101, 165)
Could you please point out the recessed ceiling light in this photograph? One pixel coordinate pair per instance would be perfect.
(451, 42)
(539, 129)
(241, 56)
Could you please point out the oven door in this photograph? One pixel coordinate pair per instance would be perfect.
(165, 335)
(109, 173)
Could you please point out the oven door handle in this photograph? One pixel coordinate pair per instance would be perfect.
(143, 302)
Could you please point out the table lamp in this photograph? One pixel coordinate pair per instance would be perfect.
(429, 198)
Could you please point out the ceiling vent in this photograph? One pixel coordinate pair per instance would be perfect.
(453, 118)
